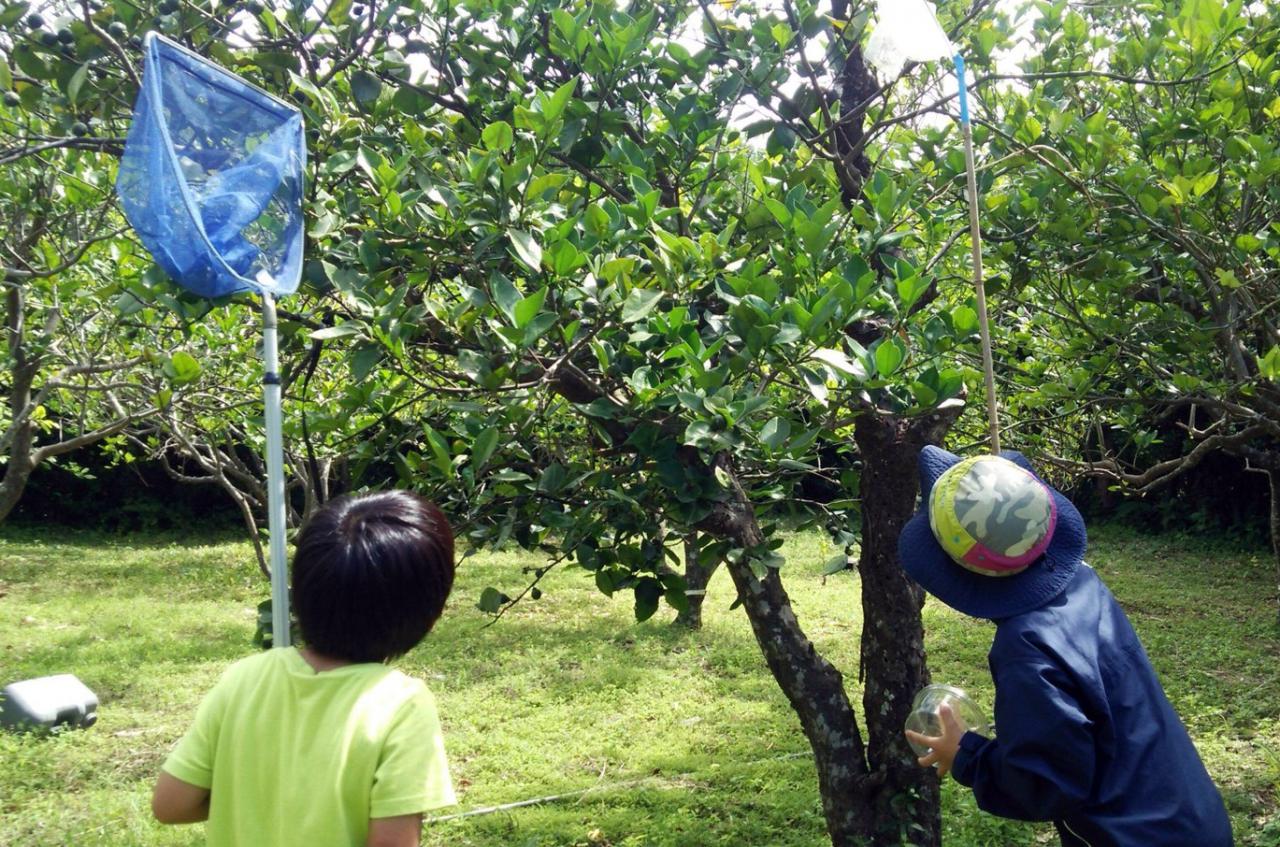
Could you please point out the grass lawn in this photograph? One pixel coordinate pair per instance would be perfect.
(683, 737)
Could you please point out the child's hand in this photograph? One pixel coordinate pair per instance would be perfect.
(943, 748)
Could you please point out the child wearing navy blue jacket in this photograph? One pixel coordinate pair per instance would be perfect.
(1085, 736)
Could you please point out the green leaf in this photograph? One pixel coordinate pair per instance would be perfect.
(775, 432)
(483, 447)
(556, 104)
(506, 295)
(1030, 131)
(640, 302)
(11, 13)
(440, 452)
(816, 384)
(648, 593)
(181, 368)
(529, 119)
(1204, 184)
(924, 394)
(780, 212)
(965, 320)
(782, 139)
(836, 564)
(492, 600)
(565, 258)
(75, 83)
(365, 87)
(1269, 365)
(525, 310)
(598, 221)
(342, 330)
(890, 354)
(364, 360)
(838, 360)
(909, 289)
(1074, 27)
(1248, 243)
(498, 136)
(552, 478)
(527, 249)
(371, 162)
(1175, 191)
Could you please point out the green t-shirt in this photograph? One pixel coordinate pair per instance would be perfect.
(295, 757)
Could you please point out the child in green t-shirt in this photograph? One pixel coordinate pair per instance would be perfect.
(325, 745)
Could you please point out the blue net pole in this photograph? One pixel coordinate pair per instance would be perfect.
(975, 237)
(280, 635)
(212, 181)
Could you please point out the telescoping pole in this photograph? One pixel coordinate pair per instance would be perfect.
(975, 233)
(275, 475)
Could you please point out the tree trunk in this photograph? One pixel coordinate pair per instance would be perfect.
(17, 470)
(21, 450)
(696, 577)
(1268, 462)
(813, 686)
(905, 807)
(1273, 477)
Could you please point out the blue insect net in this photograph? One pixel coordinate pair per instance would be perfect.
(211, 177)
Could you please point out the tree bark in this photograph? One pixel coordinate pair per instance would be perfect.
(905, 807)
(811, 684)
(17, 469)
(696, 577)
(1273, 477)
(21, 451)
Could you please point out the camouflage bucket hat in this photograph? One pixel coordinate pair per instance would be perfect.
(991, 516)
(991, 540)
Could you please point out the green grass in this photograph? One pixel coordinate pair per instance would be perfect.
(684, 737)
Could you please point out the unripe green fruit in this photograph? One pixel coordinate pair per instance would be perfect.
(168, 7)
(135, 42)
(48, 39)
(117, 29)
(12, 100)
(254, 7)
(79, 129)
(66, 36)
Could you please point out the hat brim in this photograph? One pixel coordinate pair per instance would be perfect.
(985, 596)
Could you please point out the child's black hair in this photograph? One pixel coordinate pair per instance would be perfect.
(371, 575)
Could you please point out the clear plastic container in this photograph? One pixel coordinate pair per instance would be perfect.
(924, 713)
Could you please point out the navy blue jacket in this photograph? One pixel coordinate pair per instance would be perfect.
(1085, 735)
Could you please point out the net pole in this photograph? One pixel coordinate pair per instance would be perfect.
(975, 238)
(275, 474)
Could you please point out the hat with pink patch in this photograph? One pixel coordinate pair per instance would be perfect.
(991, 540)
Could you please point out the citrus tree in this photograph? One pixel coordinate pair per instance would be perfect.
(1133, 209)
(71, 379)
(604, 280)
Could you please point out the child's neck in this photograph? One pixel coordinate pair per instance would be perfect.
(320, 663)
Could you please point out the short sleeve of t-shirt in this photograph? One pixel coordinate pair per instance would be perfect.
(192, 759)
(412, 775)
